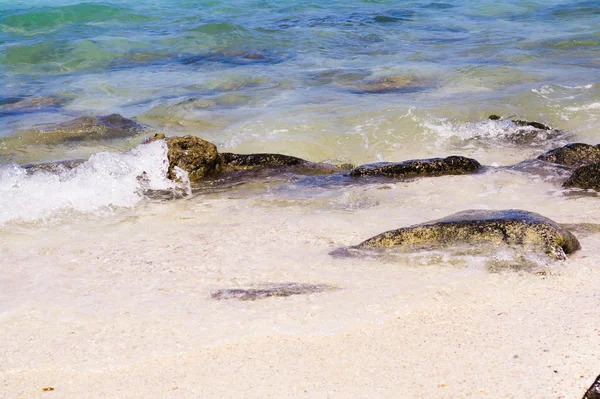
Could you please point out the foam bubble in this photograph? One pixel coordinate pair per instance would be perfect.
(105, 182)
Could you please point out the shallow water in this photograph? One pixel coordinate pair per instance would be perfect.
(362, 81)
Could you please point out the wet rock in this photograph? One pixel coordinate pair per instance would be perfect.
(594, 391)
(586, 177)
(53, 167)
(245, 161)
(84, 128)
(453, 165)
(573, 155)
(533, 133)
(474, 227)
(199, 158)
(520, 122)
(266, 291)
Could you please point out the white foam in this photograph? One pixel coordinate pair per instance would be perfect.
(464, 131)
(104, 182)
(586, 107)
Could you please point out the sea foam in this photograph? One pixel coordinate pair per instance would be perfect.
(100, 185)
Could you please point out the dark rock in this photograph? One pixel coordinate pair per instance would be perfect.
(520, 122)
(536, 125)
(586, 177)
(84, 128)
(266, 291)
(534, 133)
(594, 391)
(53, 167)
(499, 228)
(573, 155)
(453, 165)
(245, 161)
(199, 158)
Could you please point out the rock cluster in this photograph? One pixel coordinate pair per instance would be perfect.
(202, 161)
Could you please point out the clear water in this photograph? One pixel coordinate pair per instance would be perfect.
(297, 77)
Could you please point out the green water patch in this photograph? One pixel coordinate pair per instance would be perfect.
(63, 56)
(220, 28)
(51, 19)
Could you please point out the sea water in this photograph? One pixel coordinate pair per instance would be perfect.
(86, 250)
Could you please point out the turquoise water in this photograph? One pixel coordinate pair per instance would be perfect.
(257, 58)
(351, 81)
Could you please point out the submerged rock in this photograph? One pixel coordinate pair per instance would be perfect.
(21, 105)
(266, 291)
(84, 128)
(500, 228)
(395, 83)
(594, 391)
(573, 155)
(53, 167)
(199, 158)
(586, 177)
(453, 165)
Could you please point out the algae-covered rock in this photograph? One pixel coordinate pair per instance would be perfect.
(453, 165)
(270, 290)
(573, 155)
(585, 177)
(199, 158)
(84, 128)
(594, 391)
(501, 228)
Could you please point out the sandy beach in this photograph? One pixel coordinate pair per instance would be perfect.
(116, 317)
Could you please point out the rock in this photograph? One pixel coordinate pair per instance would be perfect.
(266, 291)
(84, 128)
(453, 165)
(594, 391)
(530, 133)
(395, 83)
(520, 122)
(22, 105)
(246, 161)
(573, 155)
(53, 167)
(500, 228)
(199, 158)
(585, 177)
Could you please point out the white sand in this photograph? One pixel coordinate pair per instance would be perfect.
(122, 308)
